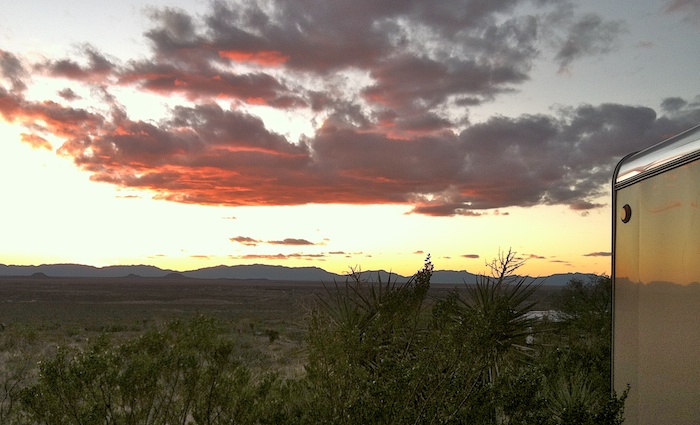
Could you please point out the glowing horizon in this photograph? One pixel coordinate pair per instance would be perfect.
(226, 133)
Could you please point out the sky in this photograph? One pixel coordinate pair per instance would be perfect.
(344, 135)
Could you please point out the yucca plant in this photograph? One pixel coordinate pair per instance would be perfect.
(375, 356)
(572, 398)
(375, 312)
(495, 311)
(493, 321)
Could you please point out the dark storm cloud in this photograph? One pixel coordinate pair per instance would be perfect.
(392, 82)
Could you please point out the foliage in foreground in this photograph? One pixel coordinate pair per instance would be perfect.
(385, 353)
(378, 352)
(187, 372)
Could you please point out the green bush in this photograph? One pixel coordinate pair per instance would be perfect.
(577, 363)
(377, 352)
(184, 373)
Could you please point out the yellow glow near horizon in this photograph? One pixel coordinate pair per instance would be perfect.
(52, 212)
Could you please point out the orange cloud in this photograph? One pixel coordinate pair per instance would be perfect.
(291, 241)
(400, 134)
(206, 154)
(48, 116)
(260, 257)
(266, 58)
(317, 257)
(245, 240)
(253, 88)
(36, 142)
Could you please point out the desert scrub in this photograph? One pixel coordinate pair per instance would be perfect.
(16, 373)
(186, 372)
(376, 352)
(380, 352)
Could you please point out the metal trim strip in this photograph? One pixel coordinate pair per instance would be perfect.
(679, 149)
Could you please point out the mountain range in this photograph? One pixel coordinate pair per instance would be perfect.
(254, 271)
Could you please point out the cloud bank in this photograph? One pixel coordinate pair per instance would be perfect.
(388, 86)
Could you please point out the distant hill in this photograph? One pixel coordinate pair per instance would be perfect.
(79, 270)
(562, 279)
(453, 276)
(253, 271)
(262, 271)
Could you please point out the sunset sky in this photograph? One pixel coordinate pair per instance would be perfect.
(331, 133)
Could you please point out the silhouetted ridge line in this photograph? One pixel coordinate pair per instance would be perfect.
(253, 271)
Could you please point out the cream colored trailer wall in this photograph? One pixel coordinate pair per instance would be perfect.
(656, 342)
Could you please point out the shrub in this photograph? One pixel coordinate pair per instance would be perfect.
(185, 372)
(378, 352)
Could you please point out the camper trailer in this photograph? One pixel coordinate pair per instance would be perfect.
(656, 282)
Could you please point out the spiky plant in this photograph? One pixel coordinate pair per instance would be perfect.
(494, 322)
(496, 310)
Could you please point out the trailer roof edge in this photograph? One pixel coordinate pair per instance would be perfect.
(675, 150)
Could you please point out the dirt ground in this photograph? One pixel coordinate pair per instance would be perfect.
(102, 300)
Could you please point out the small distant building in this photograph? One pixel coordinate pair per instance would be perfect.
(548, 315)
